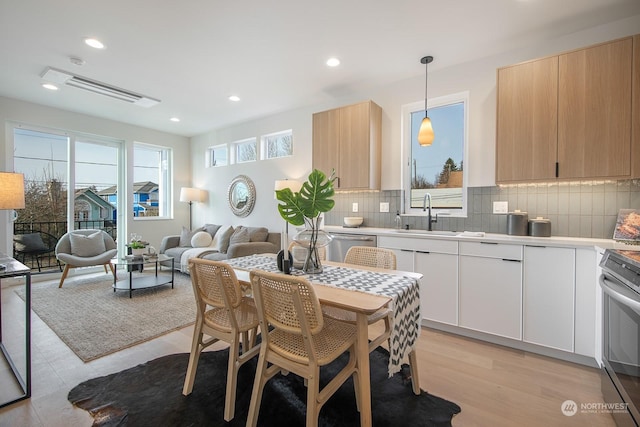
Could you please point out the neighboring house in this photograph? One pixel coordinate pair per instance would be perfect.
(89, 206)
(145, 198)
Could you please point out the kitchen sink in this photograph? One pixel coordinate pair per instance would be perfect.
(429, 233)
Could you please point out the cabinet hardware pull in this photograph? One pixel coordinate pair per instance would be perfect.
(406, 250)
(423, 252)
(511, 260)
(557, 169)
(535, 246)
(488, 243)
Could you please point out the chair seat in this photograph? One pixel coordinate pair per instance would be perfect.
(246, 316)
(335, 337)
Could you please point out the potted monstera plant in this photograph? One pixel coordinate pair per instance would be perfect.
(304, 208)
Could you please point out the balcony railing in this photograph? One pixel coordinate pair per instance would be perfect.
(48, 261)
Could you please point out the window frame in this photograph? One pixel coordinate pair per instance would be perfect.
(264, 144)
(236, 148)
(165, 181)
(406, 153)
(211, 158)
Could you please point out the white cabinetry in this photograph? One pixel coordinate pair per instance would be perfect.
(548, 288)
(437, 261)
(587, 308)
(439, 286)
(491, 288)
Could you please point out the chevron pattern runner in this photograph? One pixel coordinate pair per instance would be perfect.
(404, 291)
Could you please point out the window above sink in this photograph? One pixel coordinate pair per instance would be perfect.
(438, 169)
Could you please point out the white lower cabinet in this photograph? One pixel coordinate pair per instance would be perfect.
(542, 295)
(491, 288)
(439, 286)
(548, 303)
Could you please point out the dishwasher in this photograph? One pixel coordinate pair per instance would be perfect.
(341, 242)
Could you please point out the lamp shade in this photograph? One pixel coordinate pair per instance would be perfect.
(425, 134)
(292, 184)
(11, 190)
(188, 194)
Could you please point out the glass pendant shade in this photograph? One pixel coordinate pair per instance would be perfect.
(425, 135)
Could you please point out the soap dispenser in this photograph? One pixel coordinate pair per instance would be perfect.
(398, 220)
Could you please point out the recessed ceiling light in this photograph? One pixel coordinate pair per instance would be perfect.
(49, 86)
(234, 98)
(95, 43)
(333, 62)
(174, 119)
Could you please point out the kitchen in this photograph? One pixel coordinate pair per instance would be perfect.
(581, 209)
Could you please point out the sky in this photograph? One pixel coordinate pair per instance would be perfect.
(39, 154)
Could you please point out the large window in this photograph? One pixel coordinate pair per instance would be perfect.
(437, 169)
(152, 181)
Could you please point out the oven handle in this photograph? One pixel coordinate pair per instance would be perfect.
(620, 293)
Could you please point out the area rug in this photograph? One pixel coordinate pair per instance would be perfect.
(150, 394)
(94, 321)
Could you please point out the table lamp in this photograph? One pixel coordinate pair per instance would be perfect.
(190, 195)
(11, 193)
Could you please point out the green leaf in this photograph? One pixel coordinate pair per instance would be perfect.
(314, 197)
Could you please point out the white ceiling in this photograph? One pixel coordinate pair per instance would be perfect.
(193, 54)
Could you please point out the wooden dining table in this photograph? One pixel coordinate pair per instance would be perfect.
(361, 302)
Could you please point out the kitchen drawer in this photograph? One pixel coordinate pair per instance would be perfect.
(419, 244)
(491, 250)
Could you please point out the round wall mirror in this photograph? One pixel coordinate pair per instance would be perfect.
(241, 195)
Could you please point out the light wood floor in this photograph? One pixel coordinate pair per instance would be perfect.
(495, 386)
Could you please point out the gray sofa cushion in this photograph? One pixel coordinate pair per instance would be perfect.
(186, 235)
(176, 253)
(258, 234)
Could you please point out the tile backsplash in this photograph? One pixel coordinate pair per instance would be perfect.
(576, 209)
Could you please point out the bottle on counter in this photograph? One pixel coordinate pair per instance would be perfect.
(398, 220)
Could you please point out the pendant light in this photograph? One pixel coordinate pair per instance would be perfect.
(425, 135)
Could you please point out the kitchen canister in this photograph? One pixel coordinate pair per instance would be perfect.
(539, 227)
(517, 223)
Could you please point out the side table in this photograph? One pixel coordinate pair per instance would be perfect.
(13, 268)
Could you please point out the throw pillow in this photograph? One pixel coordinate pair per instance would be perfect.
(87, 245)
(240, 235)
(186, 235)
(258, 234)
(211, 229)
(31, 242)
(221, 239)
(201, 239)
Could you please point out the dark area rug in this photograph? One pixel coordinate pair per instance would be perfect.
(150, 394)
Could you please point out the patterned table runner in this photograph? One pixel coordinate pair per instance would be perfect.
(404, 291)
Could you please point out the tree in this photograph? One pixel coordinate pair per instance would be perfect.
(448, 167)
(45, 201)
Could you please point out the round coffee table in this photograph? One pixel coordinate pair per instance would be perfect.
(144, 282)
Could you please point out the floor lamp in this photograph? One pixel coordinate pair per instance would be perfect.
(190, 195)
(11, 193)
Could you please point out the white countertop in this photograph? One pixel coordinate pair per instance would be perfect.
(557, 241)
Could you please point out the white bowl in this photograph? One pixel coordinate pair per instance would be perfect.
(353, 221)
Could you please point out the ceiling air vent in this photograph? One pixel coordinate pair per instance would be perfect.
(55, 75)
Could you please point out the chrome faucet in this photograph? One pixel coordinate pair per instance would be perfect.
(427, 197)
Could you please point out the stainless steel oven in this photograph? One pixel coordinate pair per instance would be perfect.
(620, 283)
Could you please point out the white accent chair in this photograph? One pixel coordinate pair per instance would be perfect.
(85, 248)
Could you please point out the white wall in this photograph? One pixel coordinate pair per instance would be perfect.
(478, 77)
(14, 111)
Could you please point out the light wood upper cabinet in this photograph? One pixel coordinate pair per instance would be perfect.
(594, 111)
(569, 116)
(635, 110)
(348, 139)
(527, 121)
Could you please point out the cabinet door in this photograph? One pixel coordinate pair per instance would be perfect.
(438, 286)
(594, 111)
(548, 286)
(360, 146)
(491, 295)
(326, 137)
(526, 143)
(635, 109)
(587, 289)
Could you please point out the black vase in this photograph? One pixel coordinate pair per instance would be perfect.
(284, 265)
